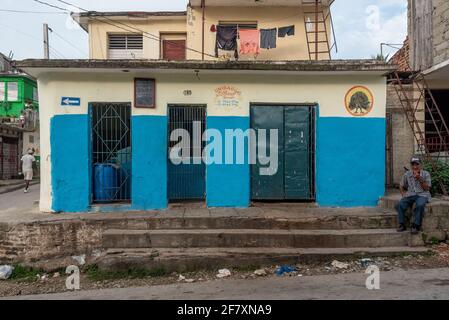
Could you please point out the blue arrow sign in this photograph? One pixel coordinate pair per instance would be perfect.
(70, 102)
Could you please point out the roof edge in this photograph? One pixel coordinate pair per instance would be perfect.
(82, 17)
(132, 14)
(297, 65)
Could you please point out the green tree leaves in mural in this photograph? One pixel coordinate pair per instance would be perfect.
(359, 103)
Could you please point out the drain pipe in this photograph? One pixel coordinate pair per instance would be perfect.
(203, 6)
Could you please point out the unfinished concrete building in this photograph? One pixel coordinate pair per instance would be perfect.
(418, 94)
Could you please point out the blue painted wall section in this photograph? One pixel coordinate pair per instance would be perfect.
(350, 161)
(69, 140)
(149, 162)
(228, 185)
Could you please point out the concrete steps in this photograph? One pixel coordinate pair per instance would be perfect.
(210, 239)
(191, 259)
(247, 238)
(386, 220)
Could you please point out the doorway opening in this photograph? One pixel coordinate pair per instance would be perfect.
(111, 152)
(187, 179)
(294, 179)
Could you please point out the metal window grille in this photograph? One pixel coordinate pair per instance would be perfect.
(187, 181)
(240, 25)
(128, 46)
(111, 152)
(125, 42)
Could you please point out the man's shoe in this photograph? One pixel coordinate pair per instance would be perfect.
(416, 229)
(401, 228)
(25, 191)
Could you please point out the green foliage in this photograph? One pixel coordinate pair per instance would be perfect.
(440, 175)
(380, 57)
(96, 274)
(25, 273)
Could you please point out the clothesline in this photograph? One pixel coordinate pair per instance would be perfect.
(251, 40)
(211, 23)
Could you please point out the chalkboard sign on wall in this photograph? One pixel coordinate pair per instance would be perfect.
(144, 93)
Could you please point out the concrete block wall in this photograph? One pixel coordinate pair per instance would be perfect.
(428, 31)
(440, 31)
(403, 141)
(436, 219)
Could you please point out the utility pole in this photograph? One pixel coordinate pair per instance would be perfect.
(46, 43)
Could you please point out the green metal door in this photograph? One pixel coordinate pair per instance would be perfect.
(268, 186)
(297, 154)
(294, 177)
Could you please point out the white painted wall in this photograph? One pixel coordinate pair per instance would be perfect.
(328, 91)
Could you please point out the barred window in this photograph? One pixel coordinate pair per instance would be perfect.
(125, 46)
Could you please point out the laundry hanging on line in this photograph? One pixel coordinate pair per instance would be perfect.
(249, 41)
(286, 31)
(268, 38)
(226, 39)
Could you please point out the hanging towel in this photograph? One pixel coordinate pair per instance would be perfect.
(226, 38)
(249, 41)
(268, 38)
(286, 31)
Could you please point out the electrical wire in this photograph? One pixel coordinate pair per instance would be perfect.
(32, 37)
(125, 27)
(68, 42)
(36, 12)
(128, 27)
(51, 5)
(58, 53)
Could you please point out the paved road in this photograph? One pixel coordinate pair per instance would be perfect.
(422, 284)
(17, 202)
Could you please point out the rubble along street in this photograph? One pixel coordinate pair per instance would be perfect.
(48, 283)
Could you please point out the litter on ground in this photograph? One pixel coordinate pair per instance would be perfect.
(339, 265)
(285, 270)
(223, 273)
(6, 272)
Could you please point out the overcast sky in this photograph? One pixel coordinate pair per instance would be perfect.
(361, 25)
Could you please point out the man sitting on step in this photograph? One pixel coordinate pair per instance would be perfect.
(415, 189)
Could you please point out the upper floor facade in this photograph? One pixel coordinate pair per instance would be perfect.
(215, 29)
(428, 33)
(18, 93)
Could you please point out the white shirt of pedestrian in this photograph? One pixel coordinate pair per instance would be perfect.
(27, 162)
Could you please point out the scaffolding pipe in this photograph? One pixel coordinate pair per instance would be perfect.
(203, 6)
(316, 29)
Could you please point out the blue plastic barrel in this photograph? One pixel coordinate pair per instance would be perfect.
(125, 181)
(105, 182)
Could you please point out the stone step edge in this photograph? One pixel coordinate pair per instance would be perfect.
(193, 259)
(124, 232)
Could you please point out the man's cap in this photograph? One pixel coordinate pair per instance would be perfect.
(415, 160)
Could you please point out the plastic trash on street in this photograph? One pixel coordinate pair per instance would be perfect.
(285, 270)
(223, 273)
(6, 272)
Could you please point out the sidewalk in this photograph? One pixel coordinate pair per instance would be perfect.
(7, 186)
(396, 285)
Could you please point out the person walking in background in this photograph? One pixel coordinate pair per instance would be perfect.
(415, 189)
(27, 168)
